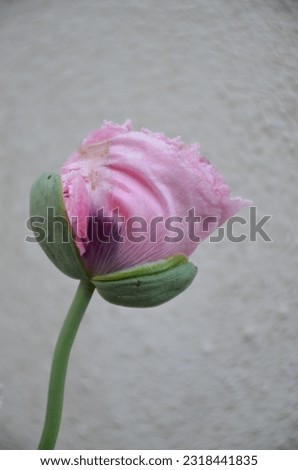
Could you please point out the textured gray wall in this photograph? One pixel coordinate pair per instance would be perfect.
(218, 366)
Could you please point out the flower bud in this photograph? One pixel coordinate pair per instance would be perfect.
(119, 177)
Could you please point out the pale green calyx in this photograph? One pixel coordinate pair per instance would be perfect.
(47, 209)
(146, 285)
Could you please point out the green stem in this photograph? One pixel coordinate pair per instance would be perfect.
(59, 364)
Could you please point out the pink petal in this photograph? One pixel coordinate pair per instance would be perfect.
(144, 174)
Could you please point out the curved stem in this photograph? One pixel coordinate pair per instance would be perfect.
(59, 364)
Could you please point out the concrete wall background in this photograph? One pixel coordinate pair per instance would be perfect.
(218, 366)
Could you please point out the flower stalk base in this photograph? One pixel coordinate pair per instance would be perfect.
(59, 365)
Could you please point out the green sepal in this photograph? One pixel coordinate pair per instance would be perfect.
(147, 285)
(57, 242)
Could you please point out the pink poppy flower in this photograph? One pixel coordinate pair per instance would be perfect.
(129, 196)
